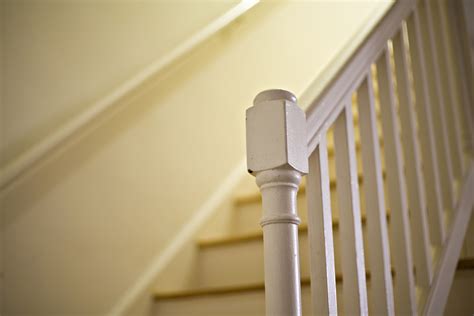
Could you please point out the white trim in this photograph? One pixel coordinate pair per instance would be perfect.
(329, 73)
(184, 236)
(444, 275)
(15, 168)
(328, 102)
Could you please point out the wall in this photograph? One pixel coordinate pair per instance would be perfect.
(1, 146)
(60, 56)
(81, 227)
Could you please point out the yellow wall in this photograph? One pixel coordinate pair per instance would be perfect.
(60, 56)
(81, 228)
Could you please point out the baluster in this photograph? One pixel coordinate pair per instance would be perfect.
(461, 69)
(277, 156)
(405, 299)
(461, 17)
(323, 274)
(446, 80)
(379, 255)
(427, 134)
(350, 229)
(439, 119)
(414, 177)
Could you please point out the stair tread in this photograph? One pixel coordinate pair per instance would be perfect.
(257, 235)
(466, 263)
(463, 264)
(255, 197)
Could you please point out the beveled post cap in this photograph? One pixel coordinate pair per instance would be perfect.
(274, 94)
(276, 133)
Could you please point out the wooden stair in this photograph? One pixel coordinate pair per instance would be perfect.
(463, 264)
(242, 292)
(167, 301)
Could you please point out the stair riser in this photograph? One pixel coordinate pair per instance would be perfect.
(251, 303)
(247, 303)
(245, 261)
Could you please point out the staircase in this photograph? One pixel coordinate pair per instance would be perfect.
(230, 266)
(378, 227)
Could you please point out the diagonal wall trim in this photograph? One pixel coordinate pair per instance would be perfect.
(184, 236)
(11, 171)
(441, 286)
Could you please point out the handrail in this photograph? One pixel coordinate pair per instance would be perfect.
(402, 68)
(18, 166)
(326, 103)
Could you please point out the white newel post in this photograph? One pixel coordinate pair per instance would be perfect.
(277, 157)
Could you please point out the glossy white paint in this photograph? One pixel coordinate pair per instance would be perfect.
(423, 159)
(463, 70)
(444, 156)
(413, 173)
(276, 131)
(444, 275)
(405, 298)
(447, 85)
(352, 248)
(379, 255)
(277, 156)
(325, 107)
(427, 135)
(321, 243)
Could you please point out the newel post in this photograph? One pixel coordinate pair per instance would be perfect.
(277, 157)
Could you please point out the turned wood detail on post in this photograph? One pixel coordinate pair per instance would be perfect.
(426, 126)
(277, 157)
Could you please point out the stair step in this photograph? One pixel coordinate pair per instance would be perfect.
(238, 259)
(249, 299)
(255, 197)
(213, 291)
(463, 264)
(246, 214)
(466, 264)
(258, 235)
(225, 290)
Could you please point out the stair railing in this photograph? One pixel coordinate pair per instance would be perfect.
(409, 84)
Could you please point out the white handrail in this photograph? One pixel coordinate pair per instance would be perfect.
(274, 156)
(324, 108)
(18, 166)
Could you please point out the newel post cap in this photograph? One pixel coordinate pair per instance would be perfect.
(276, 133)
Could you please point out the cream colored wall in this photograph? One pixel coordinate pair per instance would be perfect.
(81, 228)
(2, 124)
(60, 56)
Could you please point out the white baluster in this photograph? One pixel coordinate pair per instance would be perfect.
(321, 243)
(277, 157)
(448, 87)
(428, 141)
(413, 173)
(462, 70)
(438, 106)
(350, 227)
(405, 299)
(377, 232)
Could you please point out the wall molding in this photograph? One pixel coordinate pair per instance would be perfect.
(184, 236)
(14, 169)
